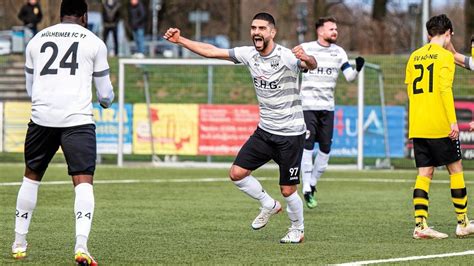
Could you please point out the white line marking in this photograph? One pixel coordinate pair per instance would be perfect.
(136, 181)
(197, 180)
(365, 262)
(221, 179)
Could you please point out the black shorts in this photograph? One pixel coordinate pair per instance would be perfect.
(319, 128)
(436, 152)
(78, 144)
(263, 146)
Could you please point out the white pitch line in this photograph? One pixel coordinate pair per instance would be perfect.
(136, 181)
(365, 262)
(198, 180)
(206, 180)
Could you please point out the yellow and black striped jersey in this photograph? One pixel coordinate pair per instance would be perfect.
(429, 79)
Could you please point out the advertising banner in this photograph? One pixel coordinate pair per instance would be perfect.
(174, 129)
(1, 127)
(464, 115)
(345, 131)
(106, 121)
(223, 129)
(16, 115)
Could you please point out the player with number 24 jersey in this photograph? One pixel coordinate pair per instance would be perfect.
(61, 62)
(63, 59)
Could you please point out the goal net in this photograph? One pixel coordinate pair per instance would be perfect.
(184, 109)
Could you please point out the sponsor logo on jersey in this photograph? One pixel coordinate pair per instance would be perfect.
(264, 84)
(275, 63)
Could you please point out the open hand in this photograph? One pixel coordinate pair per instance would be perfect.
(454, 134)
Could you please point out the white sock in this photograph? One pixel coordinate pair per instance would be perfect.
(25, 205)
(306, 169)
(320, 165)
(250, 186)
(294, 208)
(84, 211)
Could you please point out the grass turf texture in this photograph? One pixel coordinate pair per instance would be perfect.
(209, 222)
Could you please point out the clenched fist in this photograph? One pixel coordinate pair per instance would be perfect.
(172, 35)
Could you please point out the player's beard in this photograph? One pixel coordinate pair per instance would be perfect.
(259, 42)
(331, 39)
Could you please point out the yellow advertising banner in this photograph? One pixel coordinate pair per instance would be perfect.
(16, 118)
(174, 129)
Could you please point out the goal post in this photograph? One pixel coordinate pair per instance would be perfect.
(131, 61)
(123, 62)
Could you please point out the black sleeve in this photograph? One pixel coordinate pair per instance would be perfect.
(143, 14)
(40, 15)
(21, 14)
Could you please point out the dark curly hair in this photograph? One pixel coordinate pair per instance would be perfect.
(438, 25)
(75, 8)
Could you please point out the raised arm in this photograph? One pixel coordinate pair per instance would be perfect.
(307, 61)
(460, 59)
(204, 49)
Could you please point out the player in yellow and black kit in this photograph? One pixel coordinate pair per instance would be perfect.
(433, 126)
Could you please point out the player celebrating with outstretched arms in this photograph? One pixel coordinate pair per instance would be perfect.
(61, 62)
(433, 126)
(280, 132)
(317, 95)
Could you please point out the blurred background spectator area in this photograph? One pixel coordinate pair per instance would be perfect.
(366, 26)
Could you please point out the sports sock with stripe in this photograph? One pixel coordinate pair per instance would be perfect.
(459, 197)
(421, 200)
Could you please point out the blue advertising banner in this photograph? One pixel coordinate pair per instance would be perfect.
(345, 131)
(106, 121)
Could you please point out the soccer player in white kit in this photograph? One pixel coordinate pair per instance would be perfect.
(317, 94)
(466, 62)
(280, 132)
(61, 62)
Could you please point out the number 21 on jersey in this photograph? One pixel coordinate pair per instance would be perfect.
(430, 69)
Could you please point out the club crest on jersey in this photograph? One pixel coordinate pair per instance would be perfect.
(275, 63)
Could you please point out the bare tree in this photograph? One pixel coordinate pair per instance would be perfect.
(235, 15)
(379, 9)
(469, 22)
(319, 9)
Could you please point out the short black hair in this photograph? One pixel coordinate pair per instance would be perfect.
(75, 8)
(320, 22)
(265, 16)
(438, 25)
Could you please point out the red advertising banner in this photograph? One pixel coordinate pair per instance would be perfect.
(223, 129)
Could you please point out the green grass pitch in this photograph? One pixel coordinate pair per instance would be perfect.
(361, 216)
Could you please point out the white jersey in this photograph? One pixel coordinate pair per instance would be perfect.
(275, 81)
(318, 85)
(62, 60)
